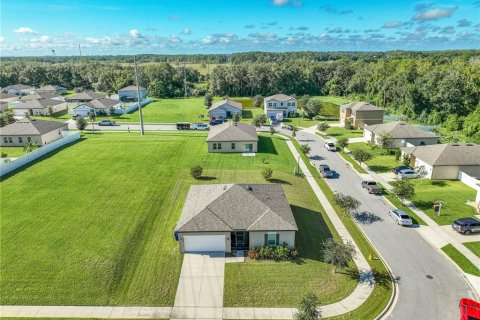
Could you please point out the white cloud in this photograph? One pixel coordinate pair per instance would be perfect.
(92, 40)
(280, 2)
(44, 38)
(392, 24)
(434, 14)
(25, 30)
(2, 39)
(187, 31)
(135, 34)
(175, 39)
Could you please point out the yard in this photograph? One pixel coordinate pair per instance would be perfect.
(93, 224)
(12, 152)
(340, 132)
(453, 193)
(462, 261)
(382, 161)
(474, 247)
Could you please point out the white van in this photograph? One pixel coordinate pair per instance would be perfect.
(199, 126)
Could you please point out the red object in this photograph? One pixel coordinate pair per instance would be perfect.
(469, 309)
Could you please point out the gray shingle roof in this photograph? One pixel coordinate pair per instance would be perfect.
(38, 96)
(38, 104)
(230, 131)
(19, 87)
(103, 103)
(228, 207)
(360, 106)
(232, 103)
(86, 95)
(131, 88)
(449, 154)
(279, 97)
(30, 127)
(399, 130)
(50, 88)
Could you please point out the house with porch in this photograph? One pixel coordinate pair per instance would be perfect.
(361, 114)
(231, 217)
(279, 106)
(129, 94)
(225, 109)
(39, 132)
(230, 137)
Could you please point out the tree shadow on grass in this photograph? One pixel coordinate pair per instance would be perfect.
(265, 145)
(381, 169)
(367, 217)
(280, 181)
(312, 231)
(44, 157)
(380, 278)
(206, 178)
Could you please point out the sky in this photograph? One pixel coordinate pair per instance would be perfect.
(120, 27)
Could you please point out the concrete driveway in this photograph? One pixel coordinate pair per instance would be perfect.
(429, 285)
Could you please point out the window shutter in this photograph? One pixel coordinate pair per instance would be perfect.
(278, 239)
(266, 239)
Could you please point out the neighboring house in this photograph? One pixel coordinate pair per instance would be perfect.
(40, 107)
(51, 89)
(129, 94)
(37, 96)
(8, 97)
(225, 109)
(226, 217)
(39, 131)
(361, 114)
(400, 133)
(3, 106)
(19, 89)
(445, 161)
(279, 106)
(231, 137)
(98, 106)
(85, 96)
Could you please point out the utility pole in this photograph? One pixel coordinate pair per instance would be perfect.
(142, 132)
(79, 50)
(184, 79)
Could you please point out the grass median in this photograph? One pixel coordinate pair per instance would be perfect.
(462, 261)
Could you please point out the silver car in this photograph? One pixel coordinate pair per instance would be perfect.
(400, 217)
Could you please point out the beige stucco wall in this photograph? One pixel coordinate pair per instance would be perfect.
(181, 244)
(361, 118)
(38, 140)
(400, 143)
(451, 172)
(344, 114)
(227, 146)
(257, 238)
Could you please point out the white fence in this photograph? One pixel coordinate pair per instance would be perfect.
(8, 167)
(471, 182)
(132, 107)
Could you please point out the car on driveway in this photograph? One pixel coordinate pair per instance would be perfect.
(325, 171)
(330, 146)
(287, 127)
(396, 170)
(214, 122)
(371, 187)
(106, 123)
(407, 174)
(76, 117)
(466, 225)
(400, 217)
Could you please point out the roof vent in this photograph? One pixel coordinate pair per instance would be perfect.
(470, 144)
(249, 188)
(455, 145)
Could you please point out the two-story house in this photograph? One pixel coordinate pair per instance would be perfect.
(280, 106)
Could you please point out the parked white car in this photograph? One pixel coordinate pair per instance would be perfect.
(330, 146)
(400, 217)
(199, 126)
(407, 174)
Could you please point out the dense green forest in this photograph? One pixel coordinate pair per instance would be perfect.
(441, 87)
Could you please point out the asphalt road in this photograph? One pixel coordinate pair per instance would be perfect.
(430, 287)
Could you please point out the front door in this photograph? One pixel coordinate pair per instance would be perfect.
(249, 147)
(229, 114)
(240, 240)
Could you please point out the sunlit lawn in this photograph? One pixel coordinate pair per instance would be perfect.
(382, 161)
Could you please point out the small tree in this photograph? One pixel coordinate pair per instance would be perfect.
(111, 111)
(196, 171)
(307, 310)
(92, 117)
(267, 173)
(406, 160)
(259, 120)
(272, 131)
(207, 100)
(347, 203)
(305, 100)
(337, 253)
(312, 108)
(348, 124)
(403, 189)
(305, 149)
(29, 146)
(398, 154)
(81, 123)
(50, 111)
(384, 140)
(294, 131)
(3, 155)
(236, 117)
(257, 101)
(323, 126)
(361, 155)
(342, 142)
(421, 172)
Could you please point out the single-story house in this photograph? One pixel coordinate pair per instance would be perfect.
(3, 106)
(98, 106)
(52, 89)
(279, 106)
(8, 97)
(37, 96)
(39, 131)
(231, 137)
(445, 161)
(361, 114)
(225, 109)
(40, 107)
(400, 134)
(19, 89)
(85, 96)
(226, 217)
(129, 94)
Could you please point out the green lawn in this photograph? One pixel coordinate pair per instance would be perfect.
(94, 224)
(474, 247)
(339, 132)
(461, 260)
(453, 193)
(13, 152)
(399, 205)
(354, 163)
(382, 161)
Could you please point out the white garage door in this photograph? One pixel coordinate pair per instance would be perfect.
(203, 243)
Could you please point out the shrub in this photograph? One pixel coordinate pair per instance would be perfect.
(267, 173)
(305, 149)
(196, 172)
(438, 183)
(252, 254)
(307, 309)
(398, 154)
(342, 142)
(265, 253)
(279, 253)
(323, 126)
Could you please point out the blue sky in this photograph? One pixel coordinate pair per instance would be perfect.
(36, 27)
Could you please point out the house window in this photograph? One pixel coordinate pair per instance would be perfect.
(10, 140)
(293, 104)
(59, 132)
(214, 146)
(272, 239)
(20, 140)
(219, 146)
(5, 140)
(270, 104)
(233, 146)
(29, 139)
(281, 103)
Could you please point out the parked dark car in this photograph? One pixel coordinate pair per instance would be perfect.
(216, 121)
(76, 117)
(325, 171)
(106, 123)
(371, 187)
(466, 225)
(287, 127)
(396, 170)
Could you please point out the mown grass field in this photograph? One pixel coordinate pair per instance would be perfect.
(93, 224)
(12, 152)
(339, 132)
(382, 160)
(474, 247)
(453, 193)
(462, 261)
